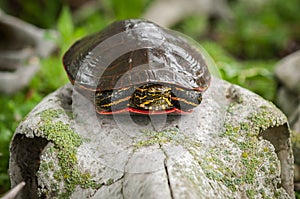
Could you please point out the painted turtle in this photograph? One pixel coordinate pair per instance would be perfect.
(137, 66)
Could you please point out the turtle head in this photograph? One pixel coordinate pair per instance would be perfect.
(152, 97)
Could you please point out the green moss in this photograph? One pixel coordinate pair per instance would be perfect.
(159, 137)
(219, 170)
(66, 142)
(109, 181)
(265, 119)
(250, 193)
(244, 137)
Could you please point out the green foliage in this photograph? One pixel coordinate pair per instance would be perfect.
(289, 11)
(65, 27)
(193, 26)
(127, 9)
(298, 195)
(42, 13)
(256, 75)
(260, 30)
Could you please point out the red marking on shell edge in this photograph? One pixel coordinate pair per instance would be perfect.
(111, 112)
(145, 112)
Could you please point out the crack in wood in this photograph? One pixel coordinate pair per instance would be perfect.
(168, 178)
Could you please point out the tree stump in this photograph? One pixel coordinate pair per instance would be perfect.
(234, 145)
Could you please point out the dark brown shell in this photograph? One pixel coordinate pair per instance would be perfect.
(134, 52)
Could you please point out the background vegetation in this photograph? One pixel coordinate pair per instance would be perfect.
(245, 50)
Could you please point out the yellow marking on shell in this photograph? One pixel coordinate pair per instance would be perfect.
(140, 97)
(148, 101)
(116, 102)
(168, 101)
(109, 96)
(185, 101)
(101, 99)
(153, 89)
(179, 89)
(161, 106)
(141, 89)
(123, 89)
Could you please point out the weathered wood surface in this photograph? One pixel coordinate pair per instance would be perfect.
(234, 145)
